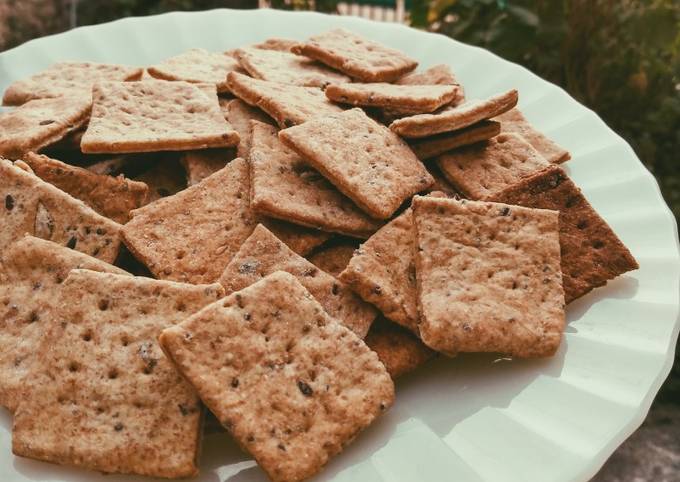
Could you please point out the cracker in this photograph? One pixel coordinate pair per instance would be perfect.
(298, 238)
(277, 43)
(366, 161)
(239, 114)
(488, 277)
(411, 98)
(102, 395)
(263, 253)
(31, 272)
(398, 349)
(32, 206)
(592, 254)
(203, 163)
(291, 385)
(111, 166)
(289, 105)
(197, 66)
(192, 235)
(39, 123)
(440, 183)
(165, 177)
(333, 259)
(357, 56)
(154, 115)
(515, 122)
(66, 79)
(429, 147)
(481, 170)
(452, 118)
(113, 197)
(287, 68)
(283, 186)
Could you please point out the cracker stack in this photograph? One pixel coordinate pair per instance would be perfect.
(359, 215)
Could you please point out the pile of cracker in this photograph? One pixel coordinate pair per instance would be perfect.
(275, 233)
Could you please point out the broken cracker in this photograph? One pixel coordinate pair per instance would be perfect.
(514, 121)
(432, 146)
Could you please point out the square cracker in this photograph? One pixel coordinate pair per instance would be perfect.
(239, 114)
(366, 161)
(205, 162)
(592, 254)
(192, 235)
(411, 98)
(263, 253)
(287, 68)
(283, 186)
(155, 115)
(357, 56)
(488, 277)
(31, 273)
(102, 395)
(429, 147)
(32, 206)
(113, 197)
(452, 118)
(291, 384)
(39, 123)
(197, 66)
(66, 79)
(515, 122)
(481, 170)
(289, 105)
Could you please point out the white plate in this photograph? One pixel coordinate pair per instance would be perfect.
(474, 417)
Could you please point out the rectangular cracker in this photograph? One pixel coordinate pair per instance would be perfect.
(356, 56)
(197, 66)
(263, 253)
(239, 114)
(515, 122)
(155, 115)
(452, 118)
(39, 123)
(286, 68)
(112, 197)
(481, 170)
(102, 395)
(291, 384)
(283, 186)
(488, 277)
(29, 205)
(289, 105)
(203, 163)
(366, 161)
(432, 146)
(31, 272)
(412, 98)
(66, 79)
(592, 254)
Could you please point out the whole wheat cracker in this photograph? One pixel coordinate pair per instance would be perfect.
(277, 43)
(283, 186)
(201, 164)
(112, 197)
(291, 384)
(155, 115)
(300, 239)
(488, 277)
(363, 159)
(480, 170)
(515, 122)
(66, 79)
(110, 166)
(592, 254)
(32, 206)
(263, 253)
(239, 114)
(31, 272)
(432, 146)
(165, 177)
(452, 118)
(101, 394)
(356, 56)
(39, 123)
(197, 66)
(334, 257)
(411, 98)
(289, 105)
(286, 68)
